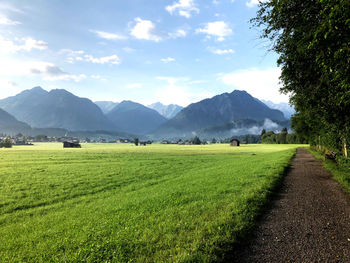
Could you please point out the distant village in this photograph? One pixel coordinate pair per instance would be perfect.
(20, 139)
(70, 142)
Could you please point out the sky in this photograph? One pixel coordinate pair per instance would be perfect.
(172, 51)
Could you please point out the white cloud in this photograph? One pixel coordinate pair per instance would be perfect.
(46, 70)
(222, 51)
(67, 77)
(80, 55)
(8, 22)
(178, 33)
(260, 83)
(8, 7)
(218, 29)
(99, 77)
(144, 29)
(51, 72)
(253, 3)
(167, 60)
(31, 43)
(180, 94)
(113, 59)
(25, 44)
(133, 86)
(71, 54)
(108, 36)
(183, 7)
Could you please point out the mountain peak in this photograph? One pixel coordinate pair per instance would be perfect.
(37, 88)
(219, 110)
(56, 109)
(168, 111)
(60, 92)
(135, 118)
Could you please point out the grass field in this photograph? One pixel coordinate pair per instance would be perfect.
(122, 203)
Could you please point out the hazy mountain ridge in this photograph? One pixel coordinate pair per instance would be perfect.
(59, 112)
(10, 125)
(56, 109)
(135, 118)
(168, 111)
(219, 110)
(287, 110)
(106, 106)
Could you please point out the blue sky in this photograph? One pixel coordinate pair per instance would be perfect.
(172, 51)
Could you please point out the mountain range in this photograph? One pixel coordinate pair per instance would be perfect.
(59, 111)
(135, 118)
(216, 111)
(56, 109)
(168, 111)
(106, 106)
(287, 110)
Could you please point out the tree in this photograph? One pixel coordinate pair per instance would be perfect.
(6, 143)
(196, 140)
(312, 39)
(213, 141)
(136, 141)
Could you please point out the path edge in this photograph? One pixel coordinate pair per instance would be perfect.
(229, 252)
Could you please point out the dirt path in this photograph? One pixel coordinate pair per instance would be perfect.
(309, 221)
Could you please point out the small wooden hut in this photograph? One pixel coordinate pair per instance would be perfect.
(234, 142)
(71, 145)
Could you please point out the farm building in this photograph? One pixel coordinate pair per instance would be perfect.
(71, 145)
(234, 142)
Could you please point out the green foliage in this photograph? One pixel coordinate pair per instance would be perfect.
(340, 169)
(119, 203)
(312, 39)
(282, 138)
(196, 140)
(6, 143)
(136, 141)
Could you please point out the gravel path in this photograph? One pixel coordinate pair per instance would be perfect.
(308, 222)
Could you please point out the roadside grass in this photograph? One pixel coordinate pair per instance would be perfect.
(340, 173)
(122, 203)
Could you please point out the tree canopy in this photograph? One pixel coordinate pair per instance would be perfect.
(312, 39)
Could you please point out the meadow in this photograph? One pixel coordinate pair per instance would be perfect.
(122, 203)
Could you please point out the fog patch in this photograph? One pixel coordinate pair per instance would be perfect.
(268, 125)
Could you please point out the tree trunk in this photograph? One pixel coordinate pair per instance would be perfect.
(344, 148)
(319, 142)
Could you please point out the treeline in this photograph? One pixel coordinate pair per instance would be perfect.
(269, 137)
(312, 39)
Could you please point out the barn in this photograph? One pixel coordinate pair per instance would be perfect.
(234, 142)
(71, 145)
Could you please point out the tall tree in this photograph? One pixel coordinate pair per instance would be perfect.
(312, 39)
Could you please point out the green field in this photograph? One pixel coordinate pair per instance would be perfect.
(122, 203)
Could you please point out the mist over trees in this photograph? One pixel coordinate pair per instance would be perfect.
(312, 39)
